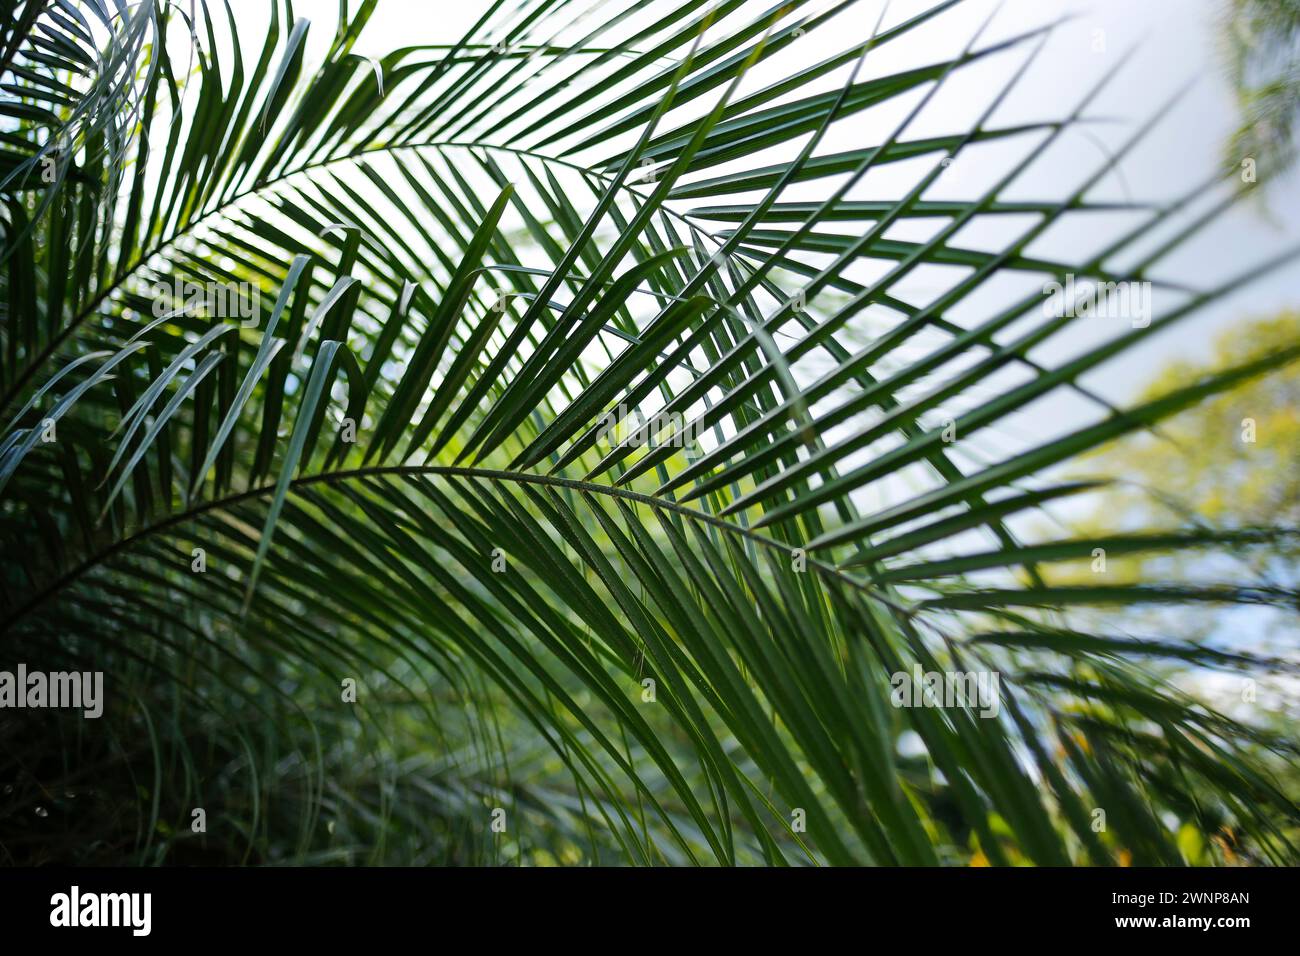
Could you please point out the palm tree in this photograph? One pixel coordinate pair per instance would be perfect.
(477, 454)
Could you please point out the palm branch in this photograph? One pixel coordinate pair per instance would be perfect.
(575, 440)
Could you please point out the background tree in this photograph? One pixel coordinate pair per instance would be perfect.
(1230, 462)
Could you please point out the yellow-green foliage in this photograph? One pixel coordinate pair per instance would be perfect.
(1202, 459)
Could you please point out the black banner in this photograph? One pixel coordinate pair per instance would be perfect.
(369, 905)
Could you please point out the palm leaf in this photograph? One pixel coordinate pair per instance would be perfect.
(679, 648)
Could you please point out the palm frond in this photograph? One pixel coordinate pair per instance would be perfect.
(548, 414)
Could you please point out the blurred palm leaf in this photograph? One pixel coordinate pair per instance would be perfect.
(1261, 41)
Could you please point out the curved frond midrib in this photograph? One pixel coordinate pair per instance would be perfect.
(39, 360)
(378, 471)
